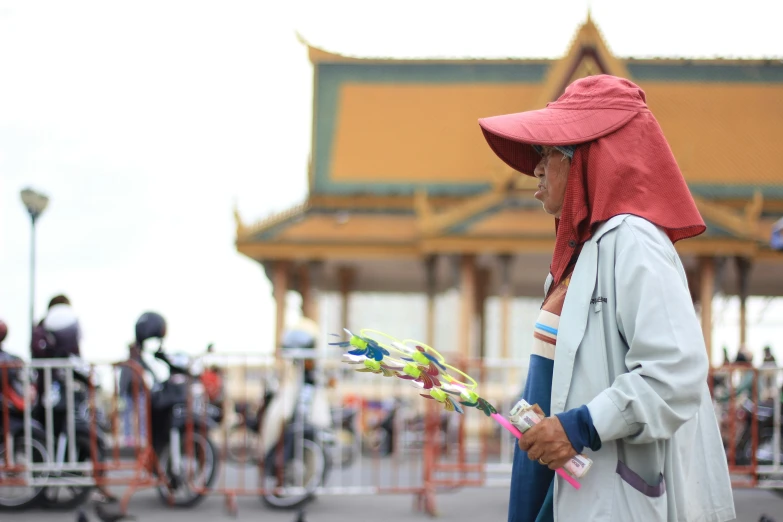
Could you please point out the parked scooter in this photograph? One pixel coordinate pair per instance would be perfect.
(293, 425)
(178, 403)
(14, 448)
(296, 454)
(344, 422)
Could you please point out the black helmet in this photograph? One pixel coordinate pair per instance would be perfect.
(149, 326)
(3, 330)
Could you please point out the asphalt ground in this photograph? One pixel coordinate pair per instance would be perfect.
(462, 505)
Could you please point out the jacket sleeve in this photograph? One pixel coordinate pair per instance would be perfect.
(666, 357)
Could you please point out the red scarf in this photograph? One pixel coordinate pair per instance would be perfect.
(629, 171)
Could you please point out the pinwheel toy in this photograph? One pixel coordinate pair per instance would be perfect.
(427, 370)
(363, 346)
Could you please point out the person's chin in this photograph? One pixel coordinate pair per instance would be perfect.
(548, 209)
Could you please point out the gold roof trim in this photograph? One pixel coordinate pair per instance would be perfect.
(744, 225)
(433, 223)
(246, 231)
(318, 55)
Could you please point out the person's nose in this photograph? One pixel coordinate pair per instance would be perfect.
(539, 170)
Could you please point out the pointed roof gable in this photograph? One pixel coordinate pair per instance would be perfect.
(587, 56)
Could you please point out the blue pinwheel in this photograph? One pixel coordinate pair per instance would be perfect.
(363, 346)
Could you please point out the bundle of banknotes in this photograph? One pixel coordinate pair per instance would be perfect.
(524, 417)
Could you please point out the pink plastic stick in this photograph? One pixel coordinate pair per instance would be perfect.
(514, 431)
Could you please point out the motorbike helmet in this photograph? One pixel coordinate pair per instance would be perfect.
(150, 325)
(62, 323)
(304, 334)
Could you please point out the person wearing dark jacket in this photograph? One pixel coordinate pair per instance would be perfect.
(59, 333)
(134, 397)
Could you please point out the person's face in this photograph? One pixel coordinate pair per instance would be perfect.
(552, 174)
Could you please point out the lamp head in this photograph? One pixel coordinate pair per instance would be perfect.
(35, 202)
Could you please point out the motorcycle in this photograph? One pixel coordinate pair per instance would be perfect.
(188, 458)
(764, 413)
(55, 404)
(388, 427)
(13, 445)
(296, 454)
(344, 421)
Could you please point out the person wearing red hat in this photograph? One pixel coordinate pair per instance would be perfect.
(618, 364)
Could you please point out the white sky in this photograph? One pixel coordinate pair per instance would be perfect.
(145, 121)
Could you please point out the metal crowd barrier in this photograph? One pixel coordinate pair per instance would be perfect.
(372, 430)
(748, 407)
(375, 435)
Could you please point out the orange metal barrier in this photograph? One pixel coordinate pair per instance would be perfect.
(287, 429)
(748, 407)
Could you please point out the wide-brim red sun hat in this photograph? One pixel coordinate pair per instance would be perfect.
(589, 109)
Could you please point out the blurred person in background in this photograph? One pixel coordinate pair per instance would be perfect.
(744, 357)
(768, 378)
(769, 359)
(58, 334)
(618, 356)
(214, 385)
(744, 360)
(132, 381)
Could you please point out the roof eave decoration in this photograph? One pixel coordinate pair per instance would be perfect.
(433, 224)
(587, 44)
(744, 225)
(317, 55)
(241, 227)
(248, 232)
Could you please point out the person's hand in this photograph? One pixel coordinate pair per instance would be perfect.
(547, 443)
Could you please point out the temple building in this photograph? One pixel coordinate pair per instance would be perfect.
(406, 196)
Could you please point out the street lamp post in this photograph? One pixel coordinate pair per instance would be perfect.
(35, 202)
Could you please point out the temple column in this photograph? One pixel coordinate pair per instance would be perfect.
(505, 304)
(280, 284)
(430, 265)
(482, 282)
(707, 273)
(303, 278)
(346, 276)
(468, 304)
(309, 287)
(744, 266)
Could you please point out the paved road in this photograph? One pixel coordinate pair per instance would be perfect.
(468, 505)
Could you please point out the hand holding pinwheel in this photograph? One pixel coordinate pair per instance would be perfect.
(428, 370)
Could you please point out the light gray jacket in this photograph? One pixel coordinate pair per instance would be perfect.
(630, 347)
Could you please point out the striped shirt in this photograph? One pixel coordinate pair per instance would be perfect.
(530, 481)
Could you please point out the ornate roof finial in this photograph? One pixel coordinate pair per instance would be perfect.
(589, 9)
(238, 219)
